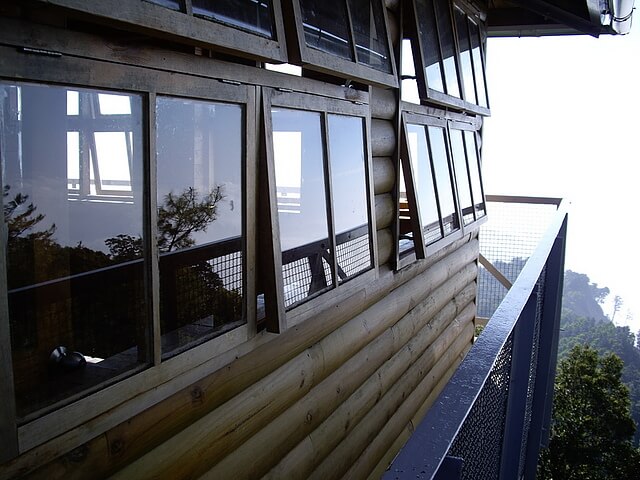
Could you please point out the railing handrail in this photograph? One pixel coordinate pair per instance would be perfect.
(423, 454)
(524, 199)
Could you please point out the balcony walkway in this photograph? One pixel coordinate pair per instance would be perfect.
(492, 417)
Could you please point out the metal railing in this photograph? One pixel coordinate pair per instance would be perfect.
(492, 417)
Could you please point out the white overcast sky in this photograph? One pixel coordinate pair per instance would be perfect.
(566, 123)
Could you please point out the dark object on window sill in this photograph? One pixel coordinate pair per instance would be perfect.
(63, 360)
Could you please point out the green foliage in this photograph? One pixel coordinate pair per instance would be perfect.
(600, 333)
(592, 426)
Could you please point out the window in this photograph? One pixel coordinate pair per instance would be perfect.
(96, 185)
(471, 58)
(358, 48)
(445, 45)
(440, 190)
(72, 171)
(249, 28)
(321, 171)
(200, 153)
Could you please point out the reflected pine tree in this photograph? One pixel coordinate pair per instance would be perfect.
(99, 314)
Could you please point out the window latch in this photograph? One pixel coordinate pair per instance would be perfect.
(230, 82)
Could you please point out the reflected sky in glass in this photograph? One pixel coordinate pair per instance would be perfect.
(460, 165)
(348, 175)
(422, 175)
(370, 35)
(465, 55)
(477, 64)
(74, 266)
(445, 29)
(300, 180)
(474, 168)
(199, 146)
(325, 28)
(441, 168)
(430, 44)
(252, 15)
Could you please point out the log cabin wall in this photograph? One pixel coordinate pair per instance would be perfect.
(335, 394)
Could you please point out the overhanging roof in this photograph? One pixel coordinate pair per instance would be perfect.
(516, 18)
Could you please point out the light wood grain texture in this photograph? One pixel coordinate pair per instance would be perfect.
(222, 430)
(383, 103)
(383, 138)
(393, 406)
(251, 461)
(411, 336)
(383, 175)
(385, 210)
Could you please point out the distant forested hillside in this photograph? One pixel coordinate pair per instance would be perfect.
(583, 322)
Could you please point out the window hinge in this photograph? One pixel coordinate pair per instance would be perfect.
(231, 82)
(39, 51)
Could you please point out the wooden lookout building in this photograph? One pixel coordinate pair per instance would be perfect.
(240, 237)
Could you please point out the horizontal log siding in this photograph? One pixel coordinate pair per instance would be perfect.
(334, 396)
(223, 430)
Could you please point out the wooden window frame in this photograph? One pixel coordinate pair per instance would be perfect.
(184, 27)
(428, 94)
(466, 127)
(280, 318)
(428, 116)
(25, 66)
(314, 59)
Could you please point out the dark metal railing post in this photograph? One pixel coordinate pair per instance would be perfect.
(515, 422)
(547, 355)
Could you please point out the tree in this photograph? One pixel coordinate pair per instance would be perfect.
(592, 430)
(184, 214)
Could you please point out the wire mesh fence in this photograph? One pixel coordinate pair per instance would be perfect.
(507, 240)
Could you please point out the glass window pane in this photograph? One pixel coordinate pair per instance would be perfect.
(172, 4)
(409, 85)
(252, 15)
(444, 185)
(406, 244)
(349, 188)
(478, 66)
(74, 261)
(199, 154)
(465, 56)
(370, 34)
(447, 44)
(325, 28)
(423, 180)
(462, 175)
(430, 44)
(474, 172)
(302, 204)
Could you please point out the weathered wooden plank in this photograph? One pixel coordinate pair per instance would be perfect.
(222, 430)
(386, 460)
(376, 449)
(165, 415)
(383, 103)
(384, 175)
(383, 138)
(282, 434)
(385, 210)
(411, 336)
(385, 245)
(415, 382)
